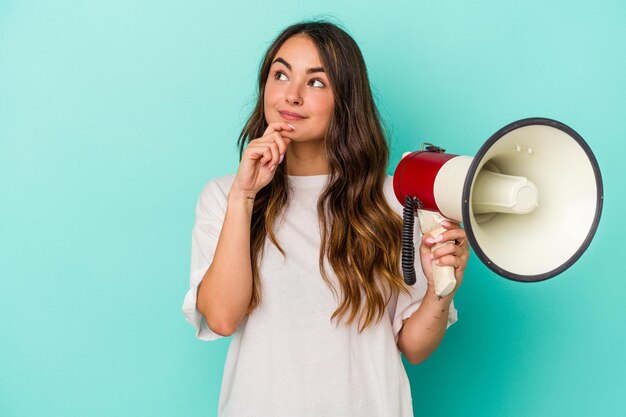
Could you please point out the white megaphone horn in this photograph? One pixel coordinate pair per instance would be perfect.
(530, 200)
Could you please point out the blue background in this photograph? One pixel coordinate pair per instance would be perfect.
(114, 114)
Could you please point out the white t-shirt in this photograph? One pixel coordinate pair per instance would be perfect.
(287, 359)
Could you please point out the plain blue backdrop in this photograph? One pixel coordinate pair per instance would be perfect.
(114, 114)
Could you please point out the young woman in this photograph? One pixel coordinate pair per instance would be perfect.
(297, 256)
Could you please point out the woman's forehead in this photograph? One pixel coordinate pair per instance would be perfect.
(298, 51)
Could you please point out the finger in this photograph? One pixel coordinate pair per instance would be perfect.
(267, 156)
(453, 234)
(260, 152)
(447, 249)
(461, 253)
(450, 260)
(277, 127)
(430, 240)
(275, 138)
(450, 224)
(275, 154)
(282, 147)
(253, 151)
(279, 140)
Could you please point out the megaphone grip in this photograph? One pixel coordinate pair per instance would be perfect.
(443, 276)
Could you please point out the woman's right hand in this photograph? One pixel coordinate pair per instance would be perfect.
(260, 159)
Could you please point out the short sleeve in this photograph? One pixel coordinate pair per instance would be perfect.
(210, 212)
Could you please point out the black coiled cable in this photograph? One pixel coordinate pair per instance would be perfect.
(411, 204)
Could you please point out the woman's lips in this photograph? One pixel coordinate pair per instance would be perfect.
(291, 116)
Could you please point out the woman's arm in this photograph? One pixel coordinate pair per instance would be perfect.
(422, 333)
(226, 289)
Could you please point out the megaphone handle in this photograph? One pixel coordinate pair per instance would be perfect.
(443, 276)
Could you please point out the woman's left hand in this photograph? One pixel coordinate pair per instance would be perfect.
(455, 253)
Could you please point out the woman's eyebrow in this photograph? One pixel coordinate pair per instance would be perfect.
(288, 65)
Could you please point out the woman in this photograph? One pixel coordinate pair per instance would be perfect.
(297, 256)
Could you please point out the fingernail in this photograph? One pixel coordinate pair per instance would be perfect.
(273, 168)
(281, 158)
(291, 126)
(432, 256)
(430, 240)
(438, 238)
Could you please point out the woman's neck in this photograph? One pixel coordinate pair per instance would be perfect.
(307, 158)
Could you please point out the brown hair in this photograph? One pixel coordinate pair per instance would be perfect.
(360, 232)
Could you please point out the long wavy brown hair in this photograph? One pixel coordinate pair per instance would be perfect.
(360, 232)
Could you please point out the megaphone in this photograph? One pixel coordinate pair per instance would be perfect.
(530, 200)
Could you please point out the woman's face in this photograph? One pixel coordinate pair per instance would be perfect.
(298, 91)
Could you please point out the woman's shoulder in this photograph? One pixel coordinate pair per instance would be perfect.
(217, 189)
(222, 183)
(390, 195)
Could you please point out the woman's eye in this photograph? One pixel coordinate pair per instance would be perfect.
(317, 83)
(278, 76)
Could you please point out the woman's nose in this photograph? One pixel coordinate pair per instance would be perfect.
(292, 95)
